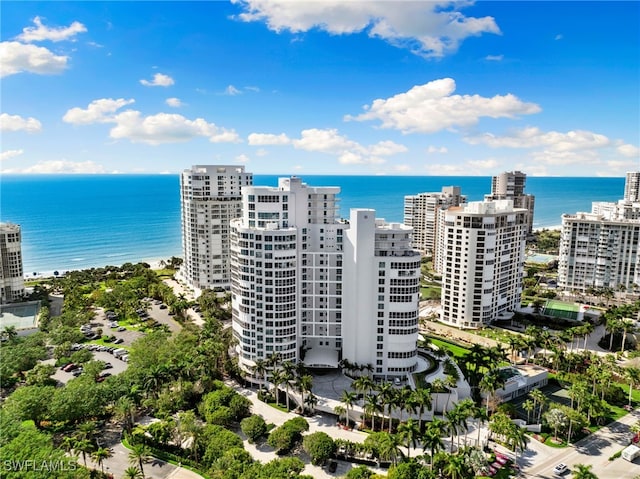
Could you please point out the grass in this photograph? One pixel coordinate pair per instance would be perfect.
(429, 292)
(454, 349)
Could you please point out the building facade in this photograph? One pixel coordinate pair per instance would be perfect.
(481, 252)
(600, 249)
(301, 286)
(210, 197)
(11, 269)
(510, 185)
(420, 213)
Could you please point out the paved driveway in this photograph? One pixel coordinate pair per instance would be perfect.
(594, 450)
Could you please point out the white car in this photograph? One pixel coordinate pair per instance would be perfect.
(560, 469)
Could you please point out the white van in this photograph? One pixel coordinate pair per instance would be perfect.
(120, 352)
(631, 452)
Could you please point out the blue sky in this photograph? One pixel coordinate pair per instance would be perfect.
(331, 87)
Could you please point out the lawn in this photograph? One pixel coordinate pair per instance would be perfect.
(454, 349)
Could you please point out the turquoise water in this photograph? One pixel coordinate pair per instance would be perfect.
(81, 221)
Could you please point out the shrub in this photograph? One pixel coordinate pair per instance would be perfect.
(254, 427)
(319, 446)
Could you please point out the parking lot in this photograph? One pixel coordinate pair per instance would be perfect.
(118, 366)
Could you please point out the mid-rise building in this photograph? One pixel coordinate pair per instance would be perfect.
(211, 196)
(11, 269)
(304, 283)
(600, 249)
(510, 185)
(481, 250)
(420, 213)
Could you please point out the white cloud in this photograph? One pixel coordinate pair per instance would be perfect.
(153, 129)
(174, 102)
(167, 128)
(261, 139)
(231, 90)
(18, 123)
(17, 57)
(429, 29)
(40, 32)
(402, 168)
(434, 149)
(61, 166)
(558, 36)
(6, 155)
(252, 88)
(431, 107)
(387, 147)
(533, 137)
(484, 164)
(242, 159)
(494, 58)
(566, 157)
(445, 169)
(630, 151)
(159, 79)
(261, 152)
(98, 111)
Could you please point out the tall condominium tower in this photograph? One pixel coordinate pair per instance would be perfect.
(632, 187)
(600, 249)
(420, 213)
(11, 270)
(510, 186)
(482, 246)
(303, 284)
(210, 198)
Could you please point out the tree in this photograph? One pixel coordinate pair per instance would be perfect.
(581, 471)
(359, 472)
(432, 437)
(30, 402)
(409, 433)
(556, 418)
(422, 399)
(633, 376)
(319, 446)
(254, 427)
(139, 454)
(83, 446)
(99, 455)
(348, 398)
(456, 468)
(133, 473)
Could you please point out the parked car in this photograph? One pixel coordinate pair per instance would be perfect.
(77, 372)
(118, 341)
(560, 469)
(163, 306)
(107, 366)
(122, 328)
(333, 465)
(70, 367)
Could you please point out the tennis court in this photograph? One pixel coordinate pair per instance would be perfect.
(559, 309)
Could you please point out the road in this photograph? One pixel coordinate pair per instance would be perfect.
(594, 450)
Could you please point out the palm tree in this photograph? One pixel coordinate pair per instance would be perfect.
(124, 410)
(288, 375)
(386, 392)
(627, 327)
(432, 437)
(422, 399)
(539, 399)
(339, 410)
(372, 406)
(409, 432)
(587, 329)
(363, 384)
(348, 398)
(259, 370)
(277, 377)
(403, 399)
(633, 375)
(453, 424)
(517, 439)
(491, 382)
(581, 471)
(9, 333)
(84, 446)
(481, 416)
(139, 455)
(456, 467)
(528, 406)
(303, 385)
(133, 473)
(100, 454)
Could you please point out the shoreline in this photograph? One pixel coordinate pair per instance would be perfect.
(153, 263)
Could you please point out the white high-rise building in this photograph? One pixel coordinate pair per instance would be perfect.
(482, 249)
(381, 295)
(510, 185)
(421, 211)
(11, 269)
(632, 187)
(600, 249)
(301, 286)
(210, 197)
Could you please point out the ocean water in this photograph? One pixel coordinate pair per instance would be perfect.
(81, 221)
